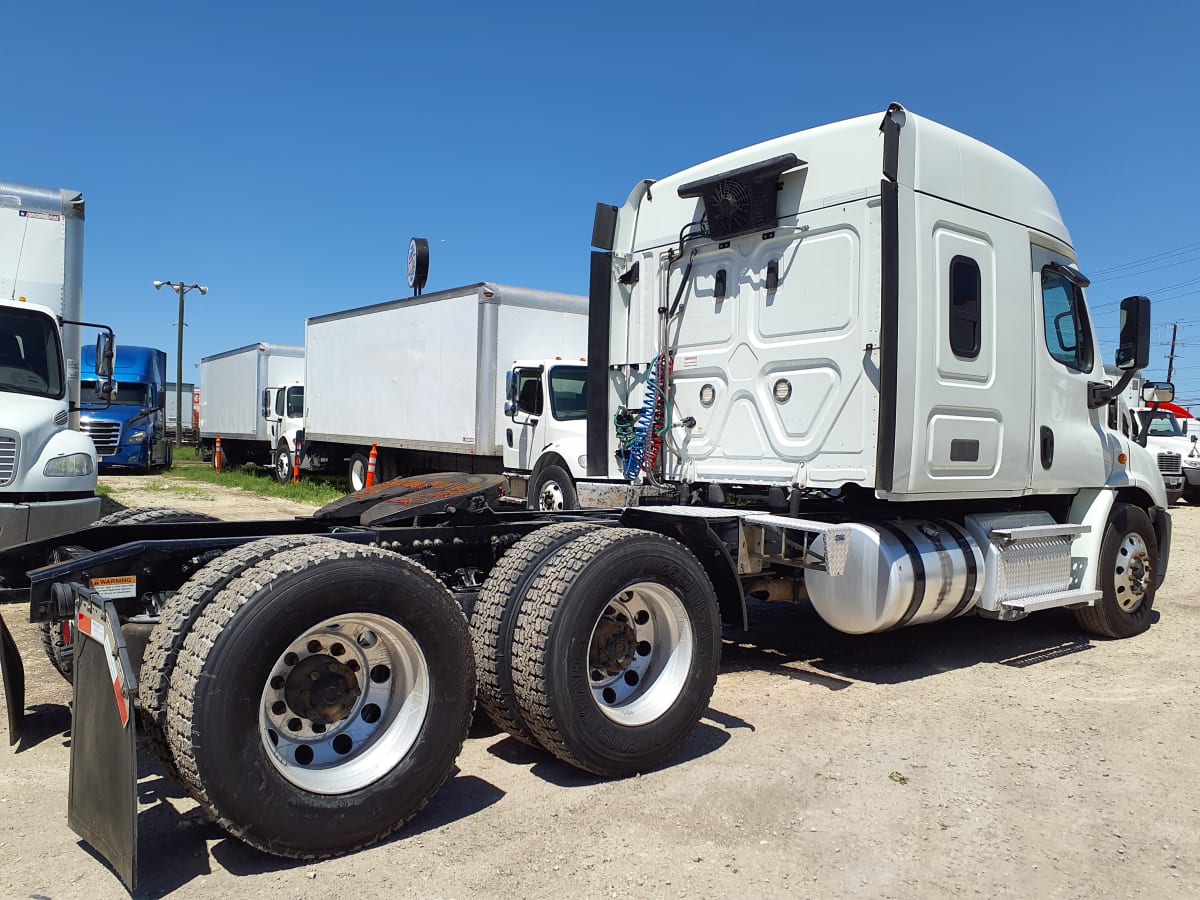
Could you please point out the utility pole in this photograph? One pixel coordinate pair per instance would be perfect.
(180, 288)
(1171, 359)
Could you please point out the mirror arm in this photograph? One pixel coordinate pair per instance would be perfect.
(1100, 393)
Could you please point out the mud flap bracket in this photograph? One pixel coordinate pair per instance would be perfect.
(102, 803)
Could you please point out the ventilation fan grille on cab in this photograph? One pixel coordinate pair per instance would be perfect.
(742, 200)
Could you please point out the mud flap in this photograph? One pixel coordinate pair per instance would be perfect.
(13, 672)
(102, 803)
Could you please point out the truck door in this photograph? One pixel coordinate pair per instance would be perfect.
(965, 368)
(1068, 439)
(523, 427)
(273, 412)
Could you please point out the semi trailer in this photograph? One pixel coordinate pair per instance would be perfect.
(233, 388)
(191, 411)
(47, 467)
(424, 380)
(859, 362)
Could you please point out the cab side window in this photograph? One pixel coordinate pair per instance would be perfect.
(529, 392)
(1068, 335)
(966, 304)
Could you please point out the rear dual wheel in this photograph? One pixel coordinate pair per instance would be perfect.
(346, 688)
(615, 650)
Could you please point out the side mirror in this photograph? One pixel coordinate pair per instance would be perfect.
(106, 388)
(510, 386)
(1133, 346)
(1158, 392)
(106, 352)
(266, 404)
(510, 408)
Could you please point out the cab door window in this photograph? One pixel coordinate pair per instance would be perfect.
(1068, 335)
(529, 391)
(295, 402)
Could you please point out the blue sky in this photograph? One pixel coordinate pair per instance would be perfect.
(285, 154)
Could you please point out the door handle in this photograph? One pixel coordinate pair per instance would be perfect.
(1047, 441)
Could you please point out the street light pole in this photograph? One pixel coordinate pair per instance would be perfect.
(180, 288)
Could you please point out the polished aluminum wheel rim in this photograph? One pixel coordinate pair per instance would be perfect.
(1131, 579)
(640, 654)
(551, 497)
(344, 703)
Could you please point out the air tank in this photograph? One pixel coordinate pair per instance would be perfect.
(899, 572)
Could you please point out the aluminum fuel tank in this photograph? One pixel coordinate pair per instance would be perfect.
(899, 572)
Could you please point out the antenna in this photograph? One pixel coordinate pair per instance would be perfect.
(20, 254)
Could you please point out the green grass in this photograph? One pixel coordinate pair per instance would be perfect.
(311, 489)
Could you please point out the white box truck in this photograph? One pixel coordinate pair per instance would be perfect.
(189, 410)
(47, 467)
(233, 388)
(423, 379)
(860, 358)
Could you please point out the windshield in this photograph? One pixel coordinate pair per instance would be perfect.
(126, 394)
(1164, 425)
(568, 392)
(30, 355)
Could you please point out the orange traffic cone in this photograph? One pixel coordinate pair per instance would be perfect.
(296, 463)
(217, 455)
(371, 461)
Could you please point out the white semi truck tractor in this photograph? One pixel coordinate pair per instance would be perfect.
(47, 467)
(856, 365)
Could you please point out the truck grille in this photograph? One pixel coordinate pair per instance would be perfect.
(8, 459)
(105, 435)
(1170, 463)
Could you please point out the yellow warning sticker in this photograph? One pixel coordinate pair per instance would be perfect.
(115, 587)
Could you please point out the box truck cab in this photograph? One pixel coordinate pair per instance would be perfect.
(545, 438)
(130, 430)
(47, 468)
(1178, 458)
(283, 411)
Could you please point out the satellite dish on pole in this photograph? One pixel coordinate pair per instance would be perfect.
(418, 264)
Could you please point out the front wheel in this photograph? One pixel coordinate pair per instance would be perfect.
(283, 464)
(321, 698)
(1128, 576)
(552, 490)
(616, 650)
(357, 473)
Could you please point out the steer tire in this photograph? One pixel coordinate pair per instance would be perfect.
(552, 490)
(1128, 572)
(563, 667)
(227, 684)
(494, 619)
(178, 615)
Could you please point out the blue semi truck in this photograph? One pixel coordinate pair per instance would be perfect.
(131, 432)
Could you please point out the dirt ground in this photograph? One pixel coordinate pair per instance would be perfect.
(969, 758)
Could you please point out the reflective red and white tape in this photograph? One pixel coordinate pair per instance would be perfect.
(101, 635)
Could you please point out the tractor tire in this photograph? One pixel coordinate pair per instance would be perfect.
(494, 618)
(321, 698)
(59, 651)
(616, 651)
(146, 515)
(1127, 577)
(178, 616)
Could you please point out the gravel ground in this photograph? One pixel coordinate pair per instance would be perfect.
(974, 757)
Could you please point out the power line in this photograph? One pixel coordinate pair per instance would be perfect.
(1157, 256)
(1140, 272)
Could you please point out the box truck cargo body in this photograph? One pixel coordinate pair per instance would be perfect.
(189, 410)
(231, 397)
(424, 379)
(47, 467)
